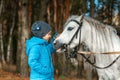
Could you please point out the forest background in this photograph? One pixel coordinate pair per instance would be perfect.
(17, 16)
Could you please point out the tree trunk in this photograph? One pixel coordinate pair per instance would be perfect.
(92, 7)
(55, 15)
(1, 7)
(111, 11)
(19, 46)
(84, 6)
(43, 9)
(9, 47)
(67, 10)
(30, 9)
(0, 49)
(24, 35)
(2, 59)
(60, 15)
(48, 14)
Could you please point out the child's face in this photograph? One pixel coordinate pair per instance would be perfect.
(47, 36)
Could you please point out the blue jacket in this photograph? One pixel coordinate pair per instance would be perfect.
(40, 59)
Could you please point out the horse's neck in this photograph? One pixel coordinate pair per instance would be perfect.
(102, 40)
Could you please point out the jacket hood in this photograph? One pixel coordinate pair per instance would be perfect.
(34, 41)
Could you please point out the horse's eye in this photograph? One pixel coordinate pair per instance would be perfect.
(70, 28)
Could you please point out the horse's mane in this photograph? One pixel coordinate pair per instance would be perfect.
(92, 21)
(98, 24)
(104, 37)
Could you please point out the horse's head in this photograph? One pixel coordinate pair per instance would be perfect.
(71, 34)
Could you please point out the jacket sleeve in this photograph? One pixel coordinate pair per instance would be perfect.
(51, 47)
(33, 62)
(54, 37)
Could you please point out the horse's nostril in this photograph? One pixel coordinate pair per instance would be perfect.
(54, 43)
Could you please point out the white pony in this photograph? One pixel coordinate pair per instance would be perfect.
(99, 38)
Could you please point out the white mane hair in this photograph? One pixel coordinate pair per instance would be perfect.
(104, 38)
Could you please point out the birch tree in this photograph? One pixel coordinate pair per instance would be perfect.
(9, 47)
(2, 59)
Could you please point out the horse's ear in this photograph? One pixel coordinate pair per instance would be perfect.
(82, 17)
(83, 14)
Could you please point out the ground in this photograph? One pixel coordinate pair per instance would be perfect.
(9, 73)
(5, 75)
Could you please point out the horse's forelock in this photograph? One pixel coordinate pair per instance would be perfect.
(70, 18)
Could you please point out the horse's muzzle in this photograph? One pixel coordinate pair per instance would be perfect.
(57, 44)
